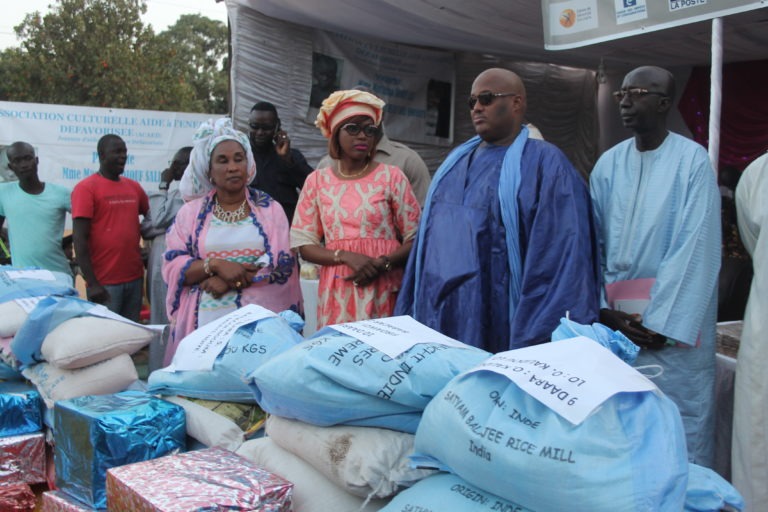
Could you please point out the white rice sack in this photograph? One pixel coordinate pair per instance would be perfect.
(312, 492)
(365, 461)
(11, 317)
(208, 427)
(87, 340)
(104, 378)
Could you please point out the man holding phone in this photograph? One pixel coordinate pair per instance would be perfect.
(280, 170)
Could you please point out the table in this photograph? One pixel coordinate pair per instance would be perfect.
(309, 291)
(725, 374)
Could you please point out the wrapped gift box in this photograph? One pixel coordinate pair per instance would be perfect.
(210, 479)
(22, 459)
(18, 496)
(20, 409)
(95, 433)
(58, 501)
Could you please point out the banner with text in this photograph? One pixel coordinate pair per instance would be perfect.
(65, 139)
(574, 23)
(417, 84)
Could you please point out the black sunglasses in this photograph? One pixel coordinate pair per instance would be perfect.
(370, 130)
(486, 98)
(263, 127)
(634, 93)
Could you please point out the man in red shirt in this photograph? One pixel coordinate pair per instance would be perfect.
(105, 212)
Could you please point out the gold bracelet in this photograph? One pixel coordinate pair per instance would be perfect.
(207, 267)
(337, 256)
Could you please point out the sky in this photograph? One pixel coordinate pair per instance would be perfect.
(160, 14)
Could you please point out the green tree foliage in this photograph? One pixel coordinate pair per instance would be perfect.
(199, 48)
(99, 53)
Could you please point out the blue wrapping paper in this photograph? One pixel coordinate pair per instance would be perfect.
(20, 409)
(95, 433)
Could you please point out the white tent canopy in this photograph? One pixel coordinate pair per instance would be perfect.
(513, 28)
(272, 47)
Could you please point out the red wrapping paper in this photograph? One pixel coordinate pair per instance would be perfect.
(22, 459)
(16, 497)
(58, 501)
(189, 481)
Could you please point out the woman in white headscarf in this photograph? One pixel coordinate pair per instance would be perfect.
(229, 245)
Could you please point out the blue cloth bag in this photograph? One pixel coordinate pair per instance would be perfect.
(335, 379)
(9, 373)
(11, 289)
(250, 346)
(709, 492)
(629, 454)
(445, 492)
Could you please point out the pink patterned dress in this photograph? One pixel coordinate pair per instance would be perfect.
(371, 215)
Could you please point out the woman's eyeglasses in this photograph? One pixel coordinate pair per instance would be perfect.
(370, 130)
(634, 94)
(486, 98)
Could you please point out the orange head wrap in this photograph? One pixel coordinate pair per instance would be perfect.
(341, 105)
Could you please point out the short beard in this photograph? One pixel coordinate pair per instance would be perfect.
(261, 146)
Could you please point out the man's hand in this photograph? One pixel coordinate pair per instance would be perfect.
(631, 327)
(166, 177)
(283, 146)
(97, 293)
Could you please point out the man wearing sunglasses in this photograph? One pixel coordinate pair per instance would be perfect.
(657, 208)
(505, 246)
(280, 169)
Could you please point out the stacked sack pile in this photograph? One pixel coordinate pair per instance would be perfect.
(354, 424)
(65, 346)
(115, 445)
(343, 414)
(206, 394)
(56, 347)
(513, 435)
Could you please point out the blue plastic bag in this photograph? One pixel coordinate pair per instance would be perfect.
(629, 454)
(250, 346)
(615, 341)
(335, 379)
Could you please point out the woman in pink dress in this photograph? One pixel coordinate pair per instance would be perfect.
(228, 245)
(357, 218)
